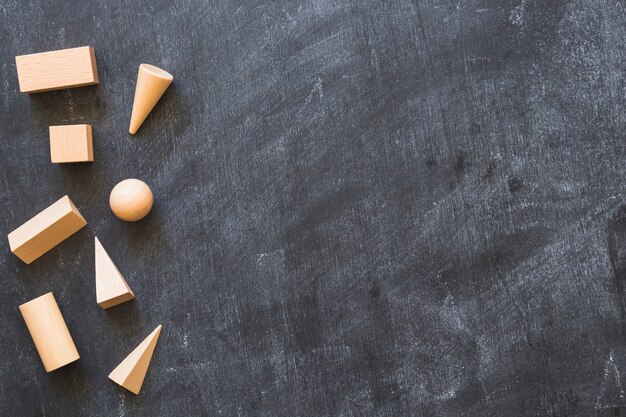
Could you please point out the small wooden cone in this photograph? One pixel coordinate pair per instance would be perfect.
(151, 84)
(132, 371)
(111, 287)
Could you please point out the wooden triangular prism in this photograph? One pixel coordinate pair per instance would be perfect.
(111, 287)
(131, 372)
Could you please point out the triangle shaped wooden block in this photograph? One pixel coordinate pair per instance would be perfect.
(111, 287)
(132, 371)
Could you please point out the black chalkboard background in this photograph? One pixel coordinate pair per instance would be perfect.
(363, 208)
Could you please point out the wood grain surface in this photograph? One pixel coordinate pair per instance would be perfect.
(56, 70)
(362, 207)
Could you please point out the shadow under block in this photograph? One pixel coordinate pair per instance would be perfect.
(71, 143)
(132, 371)
(56, 70)
(46, 230)
(111, 287)
(151, 84)
(49, 332)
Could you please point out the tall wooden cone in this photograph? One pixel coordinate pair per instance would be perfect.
(132, 371)
(151, 84)
(111, 287)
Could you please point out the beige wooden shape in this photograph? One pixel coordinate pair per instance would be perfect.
(111, 287)
(132, 371)
(46, 230)
(151, 84)
(49, 332)
(55, 70)
(131, 200)
(71, 143)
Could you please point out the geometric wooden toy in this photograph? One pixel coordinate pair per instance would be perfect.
(132, 371)
(151, 84)
(55, 70)
(131, 200)
(46, 230)
(111, 287)
(71, 143)
(49, 332)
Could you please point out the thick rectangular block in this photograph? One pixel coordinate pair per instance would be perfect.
(46, 230)
(71, 143)
(55, 70)
(49, 332)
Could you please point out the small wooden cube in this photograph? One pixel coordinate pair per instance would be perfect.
(55, 70)
(71, 143)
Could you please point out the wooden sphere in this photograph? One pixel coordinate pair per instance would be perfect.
(131, 200)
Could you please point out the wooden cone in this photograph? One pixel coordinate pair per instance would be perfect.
(111, 287)
(151, 84)
(132, 371)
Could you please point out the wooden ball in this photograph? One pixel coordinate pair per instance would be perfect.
(131, 200)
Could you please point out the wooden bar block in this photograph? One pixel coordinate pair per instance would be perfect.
(46, 230)
(56, 70)
(111, 287)
(71, 143)
(132, 371)
(49, 332)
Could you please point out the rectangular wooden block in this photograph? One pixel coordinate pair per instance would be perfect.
(71, 143)
(46, 230)
(55, 70)
(49, 332)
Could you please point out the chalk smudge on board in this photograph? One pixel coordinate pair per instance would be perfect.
(611, 392)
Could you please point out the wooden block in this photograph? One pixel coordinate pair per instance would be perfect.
(151, 84)
(55, 70)
(71, 143)
(132, 371)
(46, 230)
(111, 287)
(49, 332)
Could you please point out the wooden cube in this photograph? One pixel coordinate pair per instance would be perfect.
(55, 70)
(46, 230)
(71, 143)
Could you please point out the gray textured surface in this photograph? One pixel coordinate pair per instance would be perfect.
(363, 208)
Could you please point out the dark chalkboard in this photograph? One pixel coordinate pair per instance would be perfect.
(363, 207)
